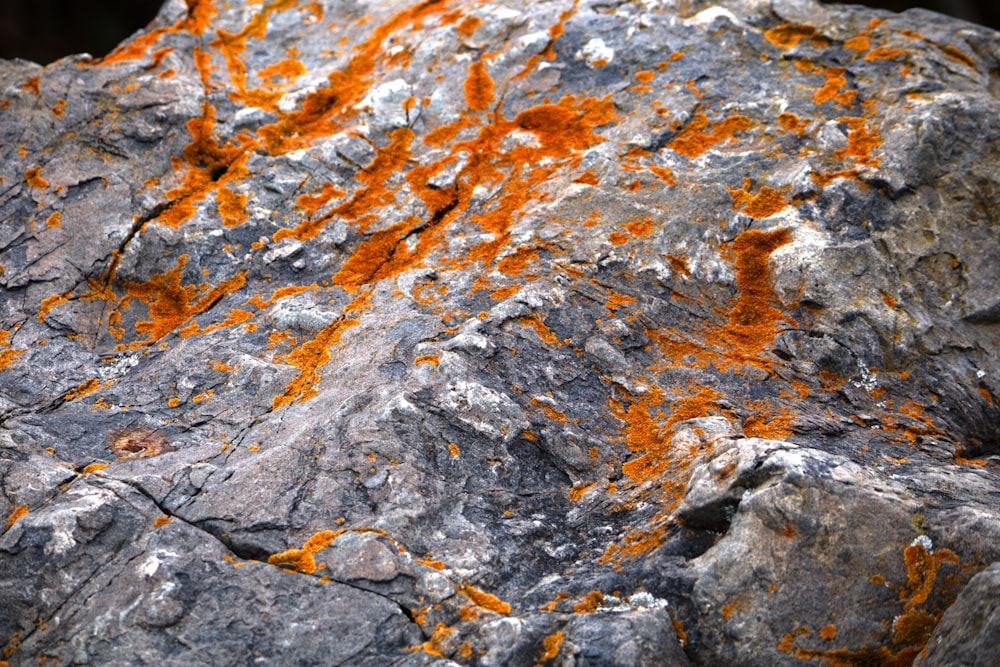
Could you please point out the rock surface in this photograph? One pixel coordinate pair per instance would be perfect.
(561, 333)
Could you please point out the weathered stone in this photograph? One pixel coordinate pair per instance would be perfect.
(570, 333)
(969, 631)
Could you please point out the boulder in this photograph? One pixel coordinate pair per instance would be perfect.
(558, 333)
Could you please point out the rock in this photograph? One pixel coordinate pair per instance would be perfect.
(968, 631)
(564, 333)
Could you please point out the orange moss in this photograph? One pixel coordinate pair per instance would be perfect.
(302, 560)
(550, 646)
(309, 358)
(34, 179)
(478, 87)
(16, 514)
(693, 140)
(484, 600)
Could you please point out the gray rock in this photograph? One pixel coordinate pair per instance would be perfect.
(968, 631)
(501, 334)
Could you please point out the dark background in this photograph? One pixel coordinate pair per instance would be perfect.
(45, 30)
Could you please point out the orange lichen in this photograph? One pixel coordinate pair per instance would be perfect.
(590, 603)
(312, 203)
(502, 293)
(828, 632)
(16, 514)
(436, 564)
(93, 467)
(309, 358)
(884, 53)
(753, 318)
(665, 174)
(324, 109)
(431, 359)
(535, 321)
(478, 87)
(232, 207)
(789, 35)
(645, 76)
(161, 521)
(835, 80)
(82, 389)
(694, 140)
(7, 356)
(50, 302)
(765, 203)
(34, 179)
(550, 646)
(54, 220)
(195, 20)
(514, 264)
(302, 560)
(31, 84)
(957, 55)
(468, 25)
(433, 645)
(373, 192)
(679, 630)
(859, 43)
(484, 600)
(170, 303)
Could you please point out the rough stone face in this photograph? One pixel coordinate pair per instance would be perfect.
(969, 631)
(561, 333)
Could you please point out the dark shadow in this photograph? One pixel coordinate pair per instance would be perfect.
(46, 30)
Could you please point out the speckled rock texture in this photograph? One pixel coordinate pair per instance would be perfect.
(474, 333)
